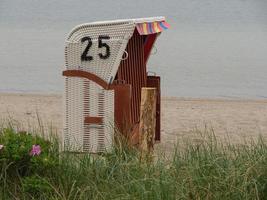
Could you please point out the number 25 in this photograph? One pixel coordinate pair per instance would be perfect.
(101, 44)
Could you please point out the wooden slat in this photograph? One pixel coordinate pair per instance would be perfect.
(147, 122)
(88, 75)
(133, 71)
(123, 107)
(93, 120)
(154, 81)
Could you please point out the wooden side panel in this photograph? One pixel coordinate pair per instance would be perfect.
(133, 71)
(123, 107)
(154, 81)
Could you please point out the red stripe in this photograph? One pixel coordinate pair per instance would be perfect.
(166, 24)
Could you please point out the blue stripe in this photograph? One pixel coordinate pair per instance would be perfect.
(162, 25)
(150, 27)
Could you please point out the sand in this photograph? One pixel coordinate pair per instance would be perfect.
(181, 118)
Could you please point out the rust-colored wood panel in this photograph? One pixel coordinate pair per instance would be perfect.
(133, 71)
(88, 75)
(122, 106)
(93, 120)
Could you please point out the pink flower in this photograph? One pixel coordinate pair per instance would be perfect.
(36, 150)
(1, 146)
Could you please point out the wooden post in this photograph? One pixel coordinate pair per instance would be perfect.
(147, 122)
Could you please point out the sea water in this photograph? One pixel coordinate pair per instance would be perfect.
(214, 48)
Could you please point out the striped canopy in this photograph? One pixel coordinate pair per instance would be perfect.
(147, 28)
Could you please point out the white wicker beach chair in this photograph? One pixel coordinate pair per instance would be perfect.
(96, 49)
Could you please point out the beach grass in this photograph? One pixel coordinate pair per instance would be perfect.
(207, 169)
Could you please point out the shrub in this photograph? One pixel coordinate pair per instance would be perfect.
(25, 153)
(22, 157)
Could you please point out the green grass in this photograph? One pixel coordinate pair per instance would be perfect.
(205, 170)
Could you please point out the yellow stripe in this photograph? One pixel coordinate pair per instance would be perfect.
(155, 24)
(145, 28)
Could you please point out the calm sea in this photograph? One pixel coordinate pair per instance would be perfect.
(214, 48)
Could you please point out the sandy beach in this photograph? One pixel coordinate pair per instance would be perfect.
(181, 118)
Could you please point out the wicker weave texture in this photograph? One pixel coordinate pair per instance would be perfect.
(118, 33)
(85, 98)
(73, 129)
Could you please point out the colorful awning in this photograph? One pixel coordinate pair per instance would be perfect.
(147, 28)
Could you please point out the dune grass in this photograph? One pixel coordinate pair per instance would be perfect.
(205, 170)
